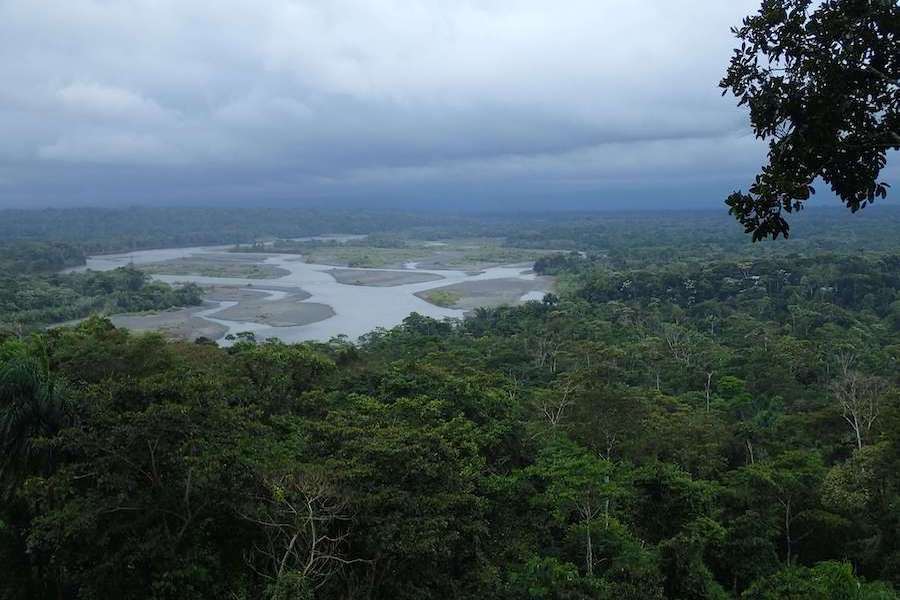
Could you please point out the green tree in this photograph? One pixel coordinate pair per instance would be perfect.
(144, 502)
(683, 562)
(552, 579)
(579, 489)
(825, 581)
(790, 482)
(821, 84)
(34, 406)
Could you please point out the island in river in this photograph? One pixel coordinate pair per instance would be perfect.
(280, 296)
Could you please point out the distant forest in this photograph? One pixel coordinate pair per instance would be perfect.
(96, 230)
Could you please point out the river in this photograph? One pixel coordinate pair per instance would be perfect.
(358, 309)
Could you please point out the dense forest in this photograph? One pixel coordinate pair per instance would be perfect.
(35, 293)
(688, 417)
(97, 231)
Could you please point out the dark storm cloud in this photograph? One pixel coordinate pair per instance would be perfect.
(169, 101)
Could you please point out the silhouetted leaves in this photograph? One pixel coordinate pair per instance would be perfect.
(821, 84)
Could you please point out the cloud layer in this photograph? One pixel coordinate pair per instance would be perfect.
(367, 101)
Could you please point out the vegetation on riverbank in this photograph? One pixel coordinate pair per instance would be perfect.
(443, 298)
(212, 266)
(394, 251)
(33, 294)
(29, 302)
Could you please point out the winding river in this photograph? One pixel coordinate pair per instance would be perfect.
(358, 309)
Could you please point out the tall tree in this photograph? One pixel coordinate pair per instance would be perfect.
(789, 482)
(860, 397)
(578, 487)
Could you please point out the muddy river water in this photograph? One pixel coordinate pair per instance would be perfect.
(354, 309)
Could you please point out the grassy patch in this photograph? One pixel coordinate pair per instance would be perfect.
(212, 268)
(462, 254)
(442, 298)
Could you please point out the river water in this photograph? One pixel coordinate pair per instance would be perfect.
(357, 309)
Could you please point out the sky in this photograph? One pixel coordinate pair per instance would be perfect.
(446, 103)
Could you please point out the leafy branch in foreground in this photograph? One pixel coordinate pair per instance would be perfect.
(822, 87)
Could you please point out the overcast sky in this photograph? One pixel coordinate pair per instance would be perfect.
(485, 103)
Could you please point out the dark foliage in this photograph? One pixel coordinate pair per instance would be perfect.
(822, 84)
(34, 301)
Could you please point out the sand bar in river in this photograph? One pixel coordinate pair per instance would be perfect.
(468, 295)
(377, 278)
